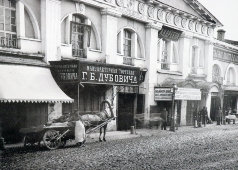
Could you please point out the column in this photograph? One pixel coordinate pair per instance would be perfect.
(51, 29)
(20, 19)
(209, 60)
(208, 104)
(151, 63)
(183, 112)
(184, 54)
(109, 34)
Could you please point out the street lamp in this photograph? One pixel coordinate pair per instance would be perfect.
(173, 120)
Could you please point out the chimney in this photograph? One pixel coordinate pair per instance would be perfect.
(221, 34)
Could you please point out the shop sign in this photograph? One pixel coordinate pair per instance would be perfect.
(163, 94)
(100, 73)
(187, 94)
(169, 33)
(71, 71)
(65, 71)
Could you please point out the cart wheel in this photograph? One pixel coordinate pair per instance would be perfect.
(50, 139)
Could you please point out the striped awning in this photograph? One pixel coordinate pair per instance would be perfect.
(30, 84)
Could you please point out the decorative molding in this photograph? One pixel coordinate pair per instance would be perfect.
(177, 20)
(120, 3)
(184, 22)
(160, 14)
(80, 8)
(190, 25)
(141, 8)
(153, 26)
(151, 11)
(107, 11)
(168, 17)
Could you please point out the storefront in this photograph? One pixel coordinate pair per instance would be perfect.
(230, 98)
(187, 101)
(89, 83)
(27, 94)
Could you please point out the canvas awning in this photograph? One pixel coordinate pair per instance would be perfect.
(20, 83)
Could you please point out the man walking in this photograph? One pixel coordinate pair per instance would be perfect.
(164, 116)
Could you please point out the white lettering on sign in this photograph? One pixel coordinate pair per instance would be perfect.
(163, 94)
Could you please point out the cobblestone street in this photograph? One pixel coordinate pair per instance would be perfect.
(211, 147)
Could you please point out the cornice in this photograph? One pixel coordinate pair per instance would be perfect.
(108, 11)
(153, 26)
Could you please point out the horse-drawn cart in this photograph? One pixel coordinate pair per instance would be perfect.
(55, 135)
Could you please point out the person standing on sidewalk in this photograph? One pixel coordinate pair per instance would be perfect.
(164, 116)
(219, 114)
(204, 115)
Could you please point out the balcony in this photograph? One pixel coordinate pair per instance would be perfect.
(128, 61)
(165, 66)
(8, 42)
(80, 53)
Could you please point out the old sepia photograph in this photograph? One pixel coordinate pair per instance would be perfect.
(118, 84)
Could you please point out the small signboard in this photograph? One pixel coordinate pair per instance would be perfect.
(187, 94)
(163, 94)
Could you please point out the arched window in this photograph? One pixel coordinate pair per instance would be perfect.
(76, 30)
(8, 23)
(216, 74)
(127, 43)
(231, 79)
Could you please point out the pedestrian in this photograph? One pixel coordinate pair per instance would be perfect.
(219, 115)
(204, 115)
(80, 135)
(164, 115)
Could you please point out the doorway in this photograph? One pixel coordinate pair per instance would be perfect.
(125, 111)
(215, 104)
(192, 109)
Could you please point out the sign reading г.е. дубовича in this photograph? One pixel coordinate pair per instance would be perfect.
(108, 74)
(96, 73)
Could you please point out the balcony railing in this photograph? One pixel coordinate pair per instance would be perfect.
(8, 42)
(78, 53)
(165, 66)
(128, 61)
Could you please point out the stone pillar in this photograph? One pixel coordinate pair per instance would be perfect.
(209, 60)
(109, 34)
(184, 54)
(51, 29)
(183, 112)
(151, 63)
(208, 104)
(20, 19)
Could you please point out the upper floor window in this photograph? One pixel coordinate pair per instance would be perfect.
(195, 56)
(231, 79)
(8, 23)
(216, 74)
(127, 43)
(167, 53)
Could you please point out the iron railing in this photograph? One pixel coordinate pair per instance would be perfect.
(8, 42)
(128, 61)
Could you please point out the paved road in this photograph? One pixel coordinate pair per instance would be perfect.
(212, 147)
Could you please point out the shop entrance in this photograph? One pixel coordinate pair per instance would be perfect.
(215, 104)
(125, 111)
(192, 109)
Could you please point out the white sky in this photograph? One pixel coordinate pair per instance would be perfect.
(226, 11)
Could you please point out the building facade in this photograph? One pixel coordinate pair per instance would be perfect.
(113, 50)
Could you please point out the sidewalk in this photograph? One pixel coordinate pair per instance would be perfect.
(120, 135)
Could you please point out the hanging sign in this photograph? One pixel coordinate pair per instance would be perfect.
(187, 94)
(163, 94)
(74, 71)
(169, 33)
(100, 73)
